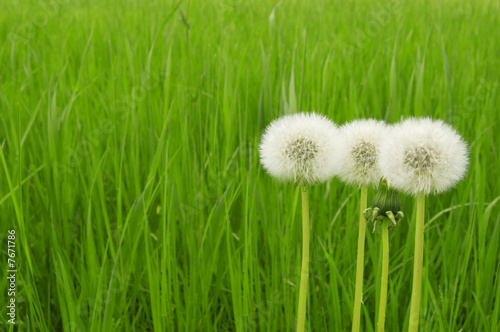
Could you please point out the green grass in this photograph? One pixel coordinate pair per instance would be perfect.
(131, 173)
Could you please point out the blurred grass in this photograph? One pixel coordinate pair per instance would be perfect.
(130, 134)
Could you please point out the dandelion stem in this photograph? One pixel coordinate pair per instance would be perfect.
(385, 277)
(304, 272)
(358, 293)
(417, 265)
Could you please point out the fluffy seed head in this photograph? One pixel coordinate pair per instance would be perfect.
(423, 156)
(301, 148)
(361, 141)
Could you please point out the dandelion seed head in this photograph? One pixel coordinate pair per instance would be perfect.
(423, 156)
(300, 148)
(361, 140)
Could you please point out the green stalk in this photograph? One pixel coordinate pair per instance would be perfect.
(304, 272)
(417, 265)
(385, 277)
(358, 293)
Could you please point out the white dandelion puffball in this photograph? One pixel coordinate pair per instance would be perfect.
(300, 148)
(423, 156)
(361, 141)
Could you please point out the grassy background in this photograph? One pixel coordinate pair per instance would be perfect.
(130, 168)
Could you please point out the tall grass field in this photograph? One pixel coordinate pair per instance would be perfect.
(132, 197)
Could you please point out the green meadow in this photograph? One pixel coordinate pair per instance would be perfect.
(130, 173)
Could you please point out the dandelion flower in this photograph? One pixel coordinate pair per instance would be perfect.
(361, 144)
(301, 148)
(423, 156)
(386, 209)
